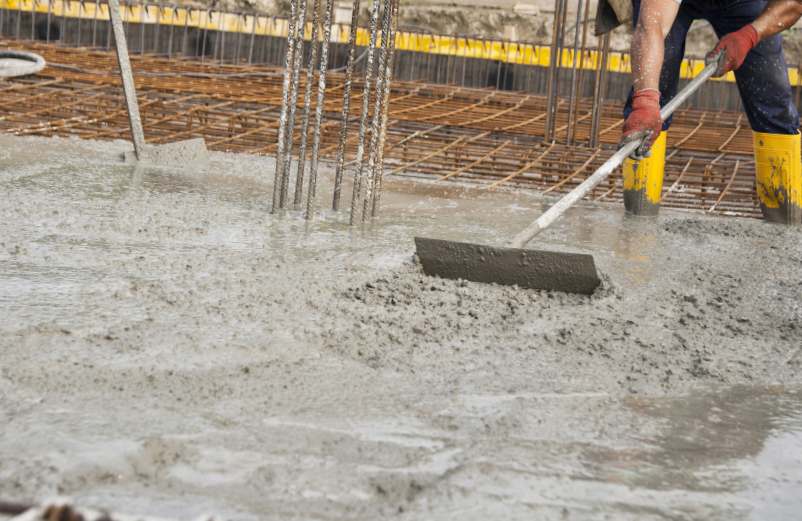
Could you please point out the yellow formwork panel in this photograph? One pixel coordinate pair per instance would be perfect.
(464, 47)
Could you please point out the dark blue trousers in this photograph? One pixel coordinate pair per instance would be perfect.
(762, 79)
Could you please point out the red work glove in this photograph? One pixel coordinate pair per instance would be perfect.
(734, 47)
(644, 122)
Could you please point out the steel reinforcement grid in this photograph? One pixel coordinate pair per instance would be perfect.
(489, 136)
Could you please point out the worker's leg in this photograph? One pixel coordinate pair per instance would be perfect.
(768, 102)
(643, 180)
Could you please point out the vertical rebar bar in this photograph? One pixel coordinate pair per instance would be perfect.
(108, 29)
(296, 73)
(127, 14)
(375, 131)
(574, 63)
(171, 36)
(464, 64)
(143, 12)
(65, 24)
(346, 105)
(485, 62)
(81, 9)
(385, 107)
(220, 37)
(551, 94)
(499, 65)
(185, 37)
(310, 77)
(253, 38)
(270, 51)
(559, 70)
(205, 34)
(582, 73)
(321, 99)
(363, 118)
(598, 94)
(50, 21)
(242, 20)
(94, 22)
(430, 56)
(412, 72)
(282, 128)
(33, 19)
(157, 29)
(448, 61)
(19, 20)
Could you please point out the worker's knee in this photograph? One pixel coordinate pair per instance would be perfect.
(643, 180)
(778, 171)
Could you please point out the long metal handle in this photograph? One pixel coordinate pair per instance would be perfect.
(137, 134)
(575, 195)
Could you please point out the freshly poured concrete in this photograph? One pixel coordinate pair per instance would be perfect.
(169, 347)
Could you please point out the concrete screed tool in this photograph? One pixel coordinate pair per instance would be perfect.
(190, 153)
(537, 269)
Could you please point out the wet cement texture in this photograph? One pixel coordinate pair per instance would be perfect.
(168, 347)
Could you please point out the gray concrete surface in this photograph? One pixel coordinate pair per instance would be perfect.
(188, 154)
(168, 347)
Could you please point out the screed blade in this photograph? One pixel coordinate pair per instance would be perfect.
(536, 269)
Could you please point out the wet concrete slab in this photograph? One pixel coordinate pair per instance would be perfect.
(169, 347)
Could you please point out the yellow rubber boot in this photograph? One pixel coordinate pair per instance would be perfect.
(778, 177)
(643, 180)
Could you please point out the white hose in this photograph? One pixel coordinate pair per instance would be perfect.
(19, 63)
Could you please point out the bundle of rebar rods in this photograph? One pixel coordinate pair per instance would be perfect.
(577, 55)
(367, 166)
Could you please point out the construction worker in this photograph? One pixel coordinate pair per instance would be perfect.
(750, 45)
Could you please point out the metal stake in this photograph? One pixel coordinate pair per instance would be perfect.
(124, 62)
